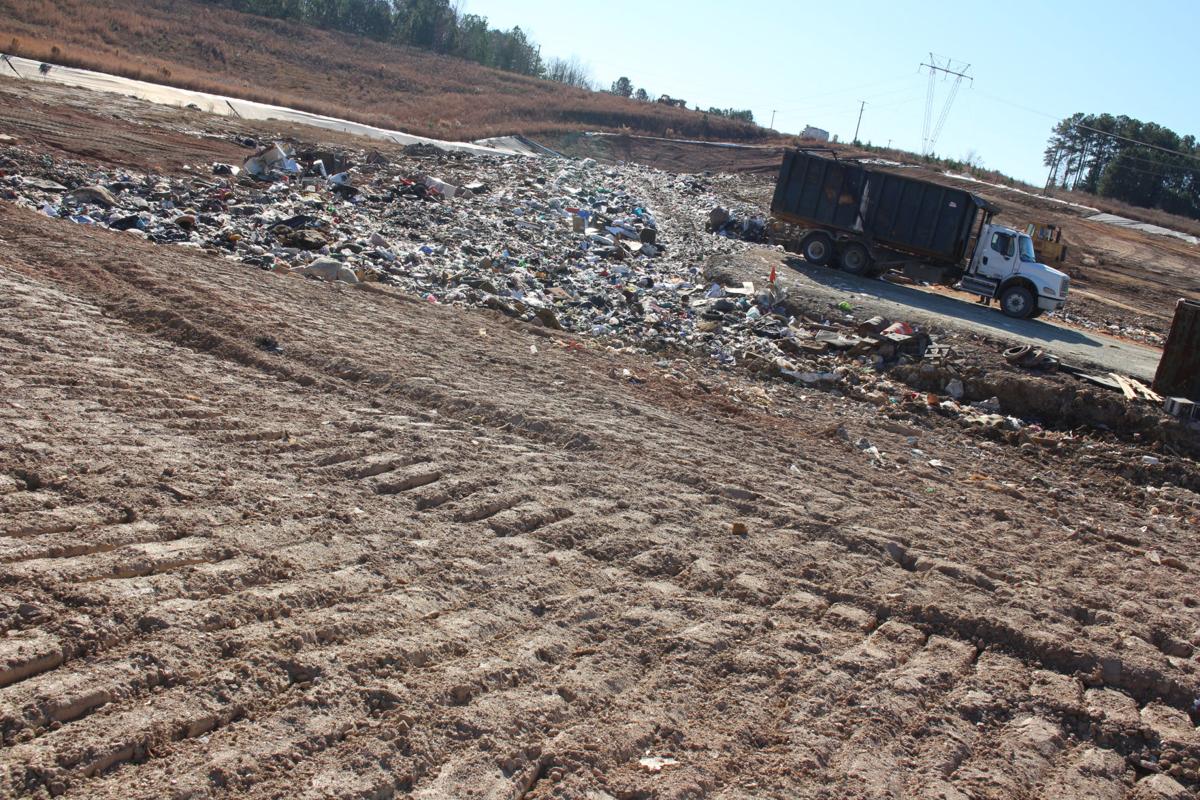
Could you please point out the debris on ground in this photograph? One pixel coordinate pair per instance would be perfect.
(750, 228)
(571, 246)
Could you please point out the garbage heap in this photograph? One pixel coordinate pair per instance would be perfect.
(565, 244)
(569, 245)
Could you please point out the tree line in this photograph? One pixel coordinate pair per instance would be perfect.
(624, 88)
(433, 25)
(1140, 163)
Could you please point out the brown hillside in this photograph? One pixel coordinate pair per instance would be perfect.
(196, 46)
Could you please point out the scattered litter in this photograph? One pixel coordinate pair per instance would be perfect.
(656, 763)
(1180, 407)
(272, 161)
(330, 270)
(569, 246)
(92, 195)
(750, 228)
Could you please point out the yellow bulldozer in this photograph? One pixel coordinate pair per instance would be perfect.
(1047, 242)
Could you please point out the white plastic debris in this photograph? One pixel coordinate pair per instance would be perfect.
(656, 763)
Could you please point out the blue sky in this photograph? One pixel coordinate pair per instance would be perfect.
(1033, 62)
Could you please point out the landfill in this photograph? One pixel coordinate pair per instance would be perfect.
(568, 245)
(294, 508)
(615, 252)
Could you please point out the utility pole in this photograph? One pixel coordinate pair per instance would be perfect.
(772, 125)
(859, 123)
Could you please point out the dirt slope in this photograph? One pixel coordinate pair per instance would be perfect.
(426, 551)
(197, 45)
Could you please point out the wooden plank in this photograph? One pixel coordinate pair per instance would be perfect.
(1145, 390)
(1099, 380)
(1130, 394)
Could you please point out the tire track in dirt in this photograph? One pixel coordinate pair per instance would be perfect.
(470, 580)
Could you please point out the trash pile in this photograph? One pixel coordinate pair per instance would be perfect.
(570, 245)
(750, 228)
(616, 252)
(1120, 328)
(812, 351)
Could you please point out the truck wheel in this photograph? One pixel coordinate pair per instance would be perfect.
(1017, 301)
(855, 259)
(817, 248)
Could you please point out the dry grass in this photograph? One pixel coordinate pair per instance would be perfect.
(1152, 215)
(196, 46)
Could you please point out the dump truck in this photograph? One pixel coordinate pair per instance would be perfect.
(865, 221)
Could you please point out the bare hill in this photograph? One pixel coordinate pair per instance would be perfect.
(197, 46)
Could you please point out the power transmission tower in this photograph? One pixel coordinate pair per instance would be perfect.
(930, 135)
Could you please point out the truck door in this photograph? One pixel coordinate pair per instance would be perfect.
(998, 258)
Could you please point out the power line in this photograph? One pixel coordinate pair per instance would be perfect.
(1086, 127)
(903, 101)
(1125, 154)
(1160, 173)
(836, 103)
(1018, 105)
(1135, 141)
(847, 89)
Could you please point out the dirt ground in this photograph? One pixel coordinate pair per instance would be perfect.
(433, 552)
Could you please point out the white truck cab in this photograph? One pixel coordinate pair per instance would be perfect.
(1003, 267)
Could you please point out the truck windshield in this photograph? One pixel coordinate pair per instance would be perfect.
(1025, 244)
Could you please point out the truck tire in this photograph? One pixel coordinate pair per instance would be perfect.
(817, 248)
(855, 259)
(1017, 302)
